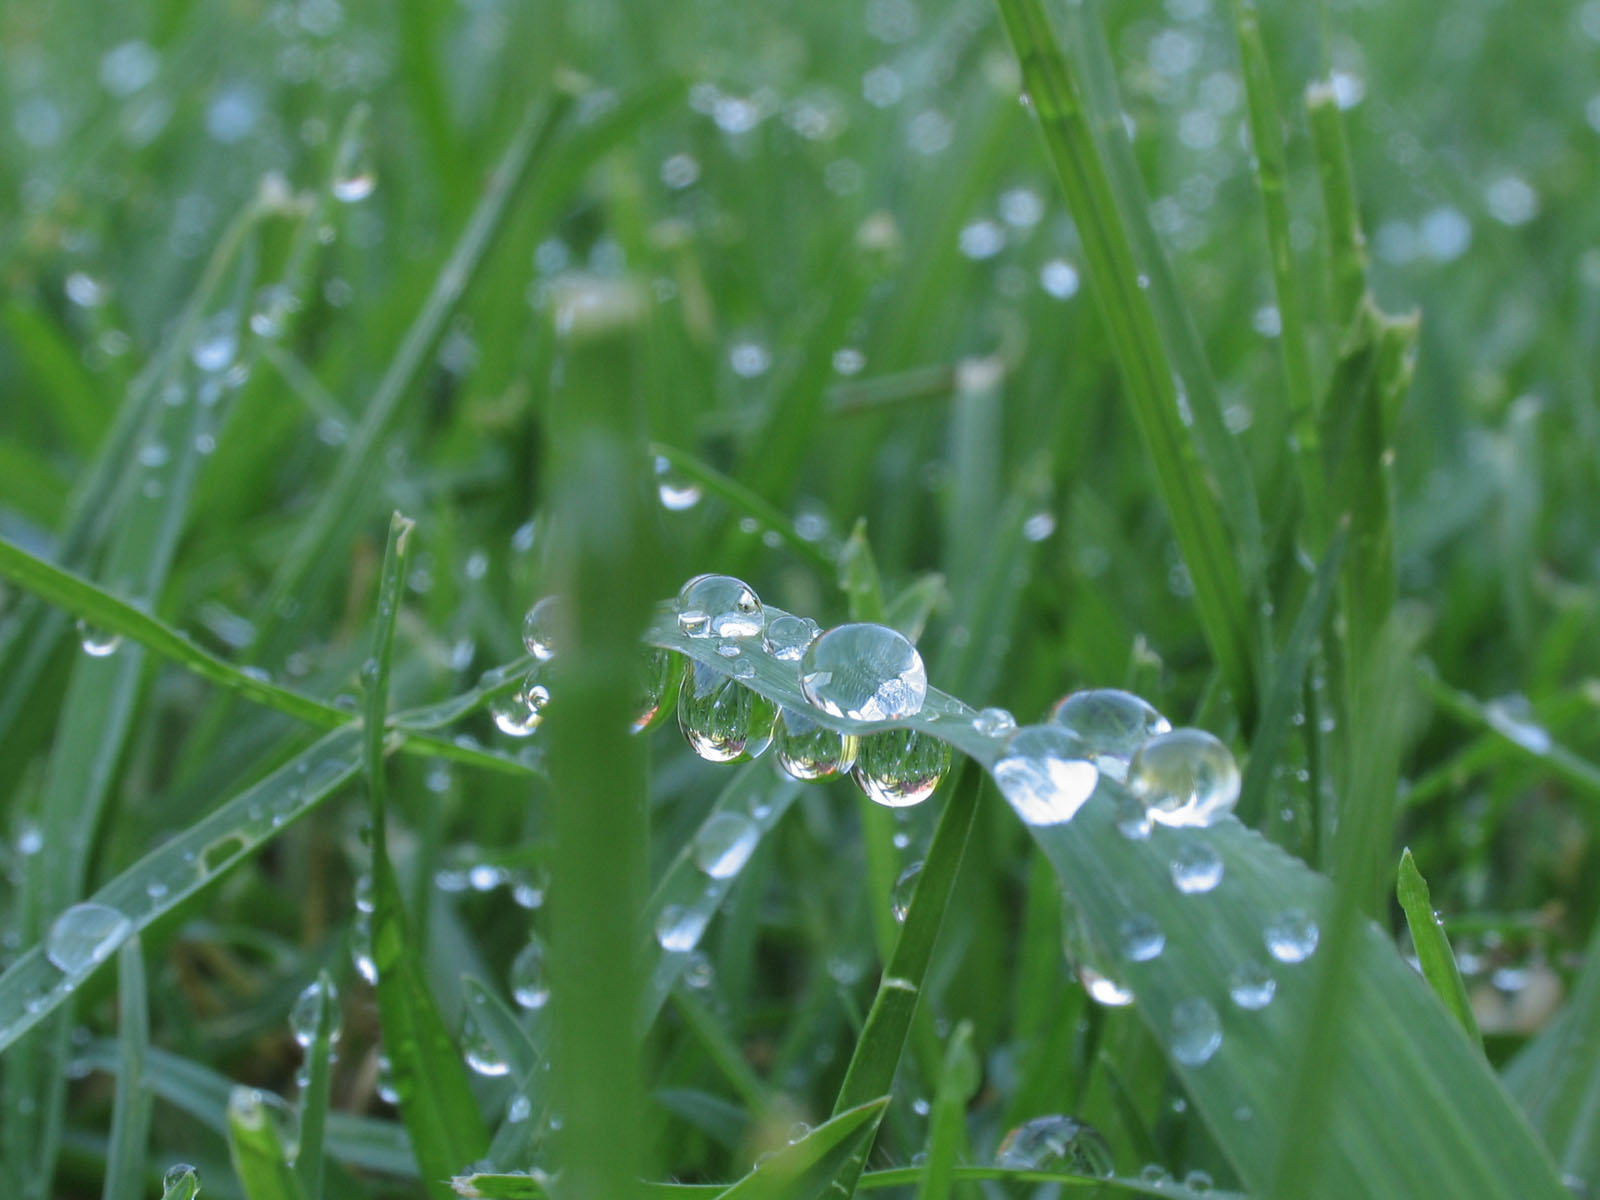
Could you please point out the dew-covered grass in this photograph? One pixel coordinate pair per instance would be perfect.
(1229, 370)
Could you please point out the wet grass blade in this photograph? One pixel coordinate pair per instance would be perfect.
(803, 1168)
(130, 1117)
(314, 1097)
(1432, 946)
(1337, 177)
(947, 1124)
(260, 1159)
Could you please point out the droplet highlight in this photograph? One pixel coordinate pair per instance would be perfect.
(1046, 774)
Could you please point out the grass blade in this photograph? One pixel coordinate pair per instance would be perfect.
(314, 1096)
(1432, 946)
(260, 1159)
(947, 1127)
(130, 1117)
(802, 1168)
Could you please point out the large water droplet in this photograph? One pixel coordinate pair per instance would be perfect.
(864, 672)
(482, 1055)
(1056, 1143)
(658, 677)
(719, 606)
(529, 987)
(787, 636)
(1045, 773)
(84, 936)
(1113, 723)
(679, 927)
(1196, 867)
(1142, 938)
(1291, 936)
(1185, 777)
(721, 718)
(724, 844)
(180, 1182)
(900, 897)
(1251, 986)
(256, 1109)
(307, 1009)
(97, 643)
(808, 750)
(1196, 1031)
(900, 767)
(521, 712)
(545, 627)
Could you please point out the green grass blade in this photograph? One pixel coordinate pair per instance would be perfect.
(802, 1168)
(1348, 242)
(947, 1125)
(130, 1117)
(1130, 321)
(260, 1159)
(501, 1187)
(314, 1097)
(1432, 946)
(186, 1186)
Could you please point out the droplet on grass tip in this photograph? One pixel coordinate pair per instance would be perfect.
(900, 767)
(180, 1182)
(864, 672)
(1045, 773)
(84, 936)
(1112, 723)
(1185, 777)
(1056, 1143)
(256, 1109)
(719, 606)
(307, 1008)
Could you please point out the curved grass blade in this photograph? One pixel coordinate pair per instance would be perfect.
(803, 1168)
(130, 1115)
(314, 1097)
(1432, 946)
(260, 1159)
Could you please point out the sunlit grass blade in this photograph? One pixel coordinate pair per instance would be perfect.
(260, 1159)
(1147, 373)
(1432, 946)
(130, 1118)
(315, 1095)
(947, 1124)
(803, 1168)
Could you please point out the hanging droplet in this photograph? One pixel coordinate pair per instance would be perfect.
(787, 636)
(1196, 867)
(900, 767)
(658, 681)
(1058, 1144)
(1291, 936)
(216, 342)
(994, 722)
(307, 1011)
(1185, 777)
(521, 712)
(545, 627)
(808, 750)
(900, 897)
(355, 174)
(676, 490)
(1045, 773)
(1251, 986)
(1112, 723)
(679, 927)
(719, 606)
(97, 643)
(865, 673)
(1084, 961)
(256, 1109)
(529, 987)
(1196, 1031)
(1142, 939)
(180, 1182)
(721, 719)
(724, 844)
(84, 936)
(482, 1055)
(361, 949)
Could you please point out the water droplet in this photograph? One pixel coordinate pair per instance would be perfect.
(216, 342)
(1056, 1143)
(482, 1055)
(658, 677)
(1155, 1175)
(355, 175)
(544, 627)
(744, 669)
(900, 767)
(387, 1091)
(1198, 1182)
(271, 309)
(1081, 957)
(808, 750)
(1512, 716)
(520, 713)
(1196, 867)
(361, 949)
(30, 839)
(724, 844)
(180, 1182)
(786, 637)
(1142, 938)
(307, 1010)
(1185, 777)
(529, 988)
(97, 643)
(1113, 723)
(363, 894)
(721, 719)
(719, 606)
(994, 722)
(1291, 936)
(1251, 986)
(679, 927)
(84, 936)
(519, 1110)
(256, 1109)
(1045, 773)
(1196, 1031)
(900, 897)
(676, 491)
(864, 672)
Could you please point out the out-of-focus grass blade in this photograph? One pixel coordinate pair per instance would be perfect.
(260, 1159)
(130, 1116)
(914, 604)
(858, 576)
(314, 1097)
(947, 1123)
(803, 1168)
(51, 367)
(525, 1056)
(436, 1099)
(1148, 375)
(184, 1186)
(1432, 946)
(1348, 240)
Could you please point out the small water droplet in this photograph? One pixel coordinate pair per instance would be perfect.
(724, 844)
(721, 719)
(1196, 1031)
(519, 1110)
(719, 606)
(679, 927)
(544, 627)
(676, 491)
(994, 722)
(744, 669)
(1112, 723)
(900, 897)
(1196, 867)
(900, 767)
(864, 672)
(529, 987)
(387, 1092)
(1142, 939)
(658, 677)
(1198, 1182)
(808, 750)
(1046, 774)
(355, 176)
(97, 643)
(361, 949)
(1185, 777)
(216, 342)
(1056, 1143)
(482, 1055)
(256, 1109)
(787, 636)
(84, 936)
(1251, 986)
(520, 713)
(1513, 717)
(180, 1181)
(1291, 936)
(1082, 959)
(307, 1011)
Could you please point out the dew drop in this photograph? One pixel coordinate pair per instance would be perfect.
(679, 927)
(1198, 1182)
(480, 1052)
(544, 627)
(1196, 867)
(724, 844)
(84, 936)
(1196, 1031)
(721, 719)
(900, 767)
(786, 637)
(180, 1182)
(97, 643)
(1046, 773)
(529, 987)
(658, 677)
(361, 949)
(1113, 723)
(1142, 939)
(676, 491)
(808, 750)
(1291, 936)
(519, 1110)
(355, 176)
(1185, 777)
(900, 897)
(1082, 958)
(864, 672)
(386, 1089)
(1251, 986)
(216, 343)
(719, 606)
(520, 713)
(307, 1011)
(256, 1109)
(1056, 1143)
(994, 722)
